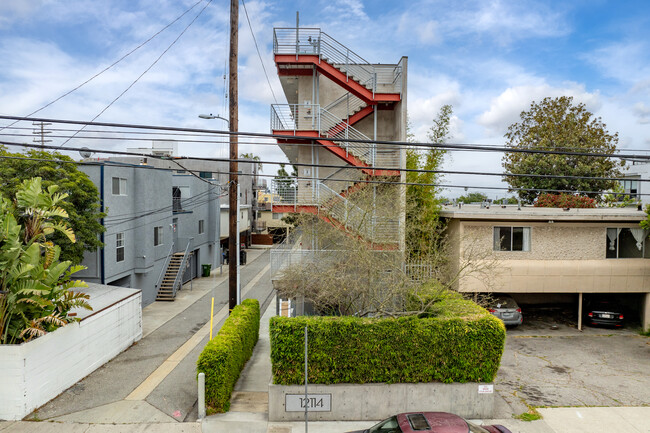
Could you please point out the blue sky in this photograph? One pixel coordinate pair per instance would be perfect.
(489, 59)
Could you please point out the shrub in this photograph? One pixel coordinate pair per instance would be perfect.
(565, 201)
(224, 357)
(464, 343)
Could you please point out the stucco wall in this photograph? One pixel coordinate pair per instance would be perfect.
(548, 241)
(35, 372)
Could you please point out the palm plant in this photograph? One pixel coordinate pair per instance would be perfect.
(35, 287)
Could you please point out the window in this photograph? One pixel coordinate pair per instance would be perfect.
(511, 238)
(631, 187)
(201, 226)
(626, 243)
(157, 236)
(277, 216)
(205, 174)
(119, 186)
(119, 244)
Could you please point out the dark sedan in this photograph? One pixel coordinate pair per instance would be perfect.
(604, 312)
(434, 422)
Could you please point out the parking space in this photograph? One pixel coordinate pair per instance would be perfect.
(548, 362)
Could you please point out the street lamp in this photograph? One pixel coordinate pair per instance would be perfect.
(211, 116)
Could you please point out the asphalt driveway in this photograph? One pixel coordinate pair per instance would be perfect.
(564, 367)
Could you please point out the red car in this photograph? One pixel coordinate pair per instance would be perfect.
(434, 422)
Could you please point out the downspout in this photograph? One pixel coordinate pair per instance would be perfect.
(101, 236)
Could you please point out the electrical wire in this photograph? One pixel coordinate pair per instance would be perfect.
(370, 181)
(111, 65)
(259, 55)
(145, 71)
(406, 170)
(444, 146)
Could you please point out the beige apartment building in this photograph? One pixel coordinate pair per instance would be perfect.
(543, 255)
(338, 106)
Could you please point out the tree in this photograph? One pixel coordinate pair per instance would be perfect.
(285, 184)
(472, 197)
(82, 206)
(35, 286)
(557, 124)
(506, 200)
(253, 158)
(423, 228)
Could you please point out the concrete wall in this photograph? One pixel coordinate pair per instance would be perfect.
(35, 372)
(379, 400)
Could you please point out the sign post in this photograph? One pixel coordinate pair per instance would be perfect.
(306, 380)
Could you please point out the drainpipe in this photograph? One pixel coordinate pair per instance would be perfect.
(101, 236)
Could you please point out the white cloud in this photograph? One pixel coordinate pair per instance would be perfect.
(642, 112)
(505, 108)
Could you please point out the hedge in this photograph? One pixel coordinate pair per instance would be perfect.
(224, 357)
(464, 343)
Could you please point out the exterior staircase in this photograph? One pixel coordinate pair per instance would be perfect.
(368, 88)
(171, 280)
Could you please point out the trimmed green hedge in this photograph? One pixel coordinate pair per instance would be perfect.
(464, 343)
(224, 357)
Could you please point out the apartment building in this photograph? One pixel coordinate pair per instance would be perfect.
(156, 220)
(547, 255)
(338, 106)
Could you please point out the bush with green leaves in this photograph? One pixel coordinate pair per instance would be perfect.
(224, 357)
(35, 286)
(462, 343)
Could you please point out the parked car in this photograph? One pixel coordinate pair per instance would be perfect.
(506, 309)
(604, 312)
(434, 422)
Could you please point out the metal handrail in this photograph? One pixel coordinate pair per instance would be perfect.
(164, 269)
(181, 270)
(315, 42)
(346, 106)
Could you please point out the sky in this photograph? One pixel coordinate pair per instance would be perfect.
(489, 59)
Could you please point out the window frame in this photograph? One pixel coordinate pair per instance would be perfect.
(645, 249)
(121, 186)
(119, 247)
(525, 241)
(158, 236)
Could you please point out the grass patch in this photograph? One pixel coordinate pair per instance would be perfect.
(531, 415)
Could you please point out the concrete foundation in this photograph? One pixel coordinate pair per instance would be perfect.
(379, 400)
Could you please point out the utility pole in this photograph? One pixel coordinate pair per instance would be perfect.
(233, 211)
(40, 130)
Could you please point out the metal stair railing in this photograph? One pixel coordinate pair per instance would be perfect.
(295, 117)
(164, 268)
(333, 127)
(346, 106)
(343, 179)
(181, 270)
(314, 41)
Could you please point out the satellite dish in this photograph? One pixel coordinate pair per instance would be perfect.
(85, 152)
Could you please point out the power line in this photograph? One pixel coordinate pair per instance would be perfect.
(406, 170)
(143, 73)
(111, 65)
(259, 55)
(366, 181)
(448, 146)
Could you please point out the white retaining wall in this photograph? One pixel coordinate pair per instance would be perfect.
(33, 373)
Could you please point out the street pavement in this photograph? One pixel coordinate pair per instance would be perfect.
(151, 387)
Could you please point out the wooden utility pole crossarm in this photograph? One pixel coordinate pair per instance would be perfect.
(233, 235)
